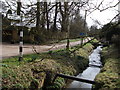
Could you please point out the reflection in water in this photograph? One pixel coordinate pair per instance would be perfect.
(90, 72)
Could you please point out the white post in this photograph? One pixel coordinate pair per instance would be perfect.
(21, 44)
(20, 31)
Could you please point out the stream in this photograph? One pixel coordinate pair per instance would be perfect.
(90, 72)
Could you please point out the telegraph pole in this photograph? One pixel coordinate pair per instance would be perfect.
(68, 32)
(68, 36)
(20, 31)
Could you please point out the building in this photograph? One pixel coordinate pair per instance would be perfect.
(10, 31)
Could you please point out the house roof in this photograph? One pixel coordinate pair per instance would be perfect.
(26, 19)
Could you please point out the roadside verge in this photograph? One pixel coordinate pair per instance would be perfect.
(37, 71)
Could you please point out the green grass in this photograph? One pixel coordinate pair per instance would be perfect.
(95, 41)
(14, 60)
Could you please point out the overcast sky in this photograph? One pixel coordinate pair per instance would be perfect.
(103, 17)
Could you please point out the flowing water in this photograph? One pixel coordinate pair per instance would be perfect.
(90, 72)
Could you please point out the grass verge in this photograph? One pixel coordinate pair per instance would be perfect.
(109, 77)
(37, 71)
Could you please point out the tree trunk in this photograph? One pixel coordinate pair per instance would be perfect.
(43, 15)
(47, 16)
(38, 16)
(64, 15)
(55, 18)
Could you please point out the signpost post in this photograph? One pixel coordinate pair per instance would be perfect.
(21, 31)
(18, 17)
(83, 34)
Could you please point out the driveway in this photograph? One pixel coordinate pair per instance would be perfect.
(9, 50)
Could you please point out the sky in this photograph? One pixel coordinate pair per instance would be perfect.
(103, 17)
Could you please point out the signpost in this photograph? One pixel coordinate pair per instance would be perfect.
(82, 35)
(18, 18)
(15, 18)
(21, 31)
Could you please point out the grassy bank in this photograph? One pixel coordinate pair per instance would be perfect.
(37, 71)
(109, 77)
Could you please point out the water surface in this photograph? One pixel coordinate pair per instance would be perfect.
(91, 71)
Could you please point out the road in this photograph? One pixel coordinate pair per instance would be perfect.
(9, 50)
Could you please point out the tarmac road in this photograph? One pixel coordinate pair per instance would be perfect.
(9, 50)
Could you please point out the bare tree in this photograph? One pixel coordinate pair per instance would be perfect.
(38, 16)
(64, 13)
(55, 17)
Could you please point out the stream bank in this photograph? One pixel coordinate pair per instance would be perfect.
(109, 77)
(40, 72)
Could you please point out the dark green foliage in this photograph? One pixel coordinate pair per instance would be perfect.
(59, 83)
(50, 52)
(77, 26)
(80, 57)
(82, 62)
(48, 78)
(34, 84)
(109, 30)
(110, 34)
(34, 57)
